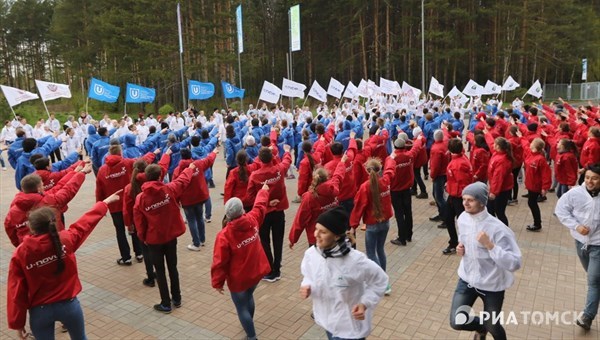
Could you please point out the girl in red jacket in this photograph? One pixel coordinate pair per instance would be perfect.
(237, 182)
(517, 152)
(239, 258)
(538, 179)
(305, 168)
(480, 159)
(565, 166)
(42, 276)
(500, 177)
(373, 204)
(321, 196)
(590, 152)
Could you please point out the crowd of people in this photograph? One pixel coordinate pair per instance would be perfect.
(357, 166)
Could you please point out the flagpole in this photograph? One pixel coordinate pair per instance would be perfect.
(48, 112)
(180, 54)
(305, 101)
(13, 112)
(86, 103)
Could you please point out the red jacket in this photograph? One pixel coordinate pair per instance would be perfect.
(313, 204)
(500, 173)
(565, 168)
(32, 282)
(439, 159)
(238, 256)
(480, 159)
(114, 175)
(16, 221)
(305, 172)
(405, 173)
(420, 158)
(324, 144)
(590, 153)
(274, 176)
(363, 205)
(580, 136)
(348, 189)
(517, 151)
(459, 174)
(50, 178)
(361, 157)
(553, 141)
(234, 186)
(377, 143)
(197, 190)
(538, 175)
(156, 213)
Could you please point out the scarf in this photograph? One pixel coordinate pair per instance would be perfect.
(341, 248)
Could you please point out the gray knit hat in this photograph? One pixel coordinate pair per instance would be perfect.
(399, 143)
(479, 190)
(403, 135)
(438, 135)
(234, 208)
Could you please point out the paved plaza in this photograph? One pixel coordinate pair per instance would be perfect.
(117, 306)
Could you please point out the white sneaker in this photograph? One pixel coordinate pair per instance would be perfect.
(207, 220)
(3, 169)
(193, 247)
(388, 290)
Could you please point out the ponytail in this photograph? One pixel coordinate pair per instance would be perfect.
(43, 221)
(311, 161)
(60, 263)
(242, 159)
(320, 175)
(373, 168)
(505, 146)
(136, 185)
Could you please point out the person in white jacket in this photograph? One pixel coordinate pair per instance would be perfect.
(345, 286)
(579, 210)
(490, 255)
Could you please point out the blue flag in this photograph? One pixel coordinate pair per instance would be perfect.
(139, 94)
(199, 90)
(103, 92)
(230, 91)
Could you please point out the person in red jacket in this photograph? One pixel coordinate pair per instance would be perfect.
(538, 179)
(321, 195)
(420, 162)
(195, 195)
(401, 186)
(42, 275)
(565, 166)
(33, 196)
(237, 182)
(500, 176)
(238, 257)
(590, 152)
(363, 153)
(158, 223)
(306, 167)
(517, 152)
(348, 189)
(373, 205)
(439, 159)
(480, 159)
(113, 175)
(460, 174)
(44, 170)
(272, 174)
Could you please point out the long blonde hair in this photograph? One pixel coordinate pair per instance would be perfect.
(320, 175)
(373, 166)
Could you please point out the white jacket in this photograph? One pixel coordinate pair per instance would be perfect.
(484, 269)
(337, 284)
(578, 207)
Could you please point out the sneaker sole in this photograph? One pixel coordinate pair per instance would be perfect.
(582, 325)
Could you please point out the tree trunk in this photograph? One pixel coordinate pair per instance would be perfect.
(363, 46)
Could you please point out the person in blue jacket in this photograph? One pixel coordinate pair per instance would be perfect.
(130, 150)
(92, 137)
(30, 147)
(16, 148)
(232, 146)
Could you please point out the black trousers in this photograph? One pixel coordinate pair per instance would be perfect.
(497, 207)
(148, 262)
(402, 204)
(124, 249)
(273, 225)
(454, 209)
(535, 208)
(159, 253)
(55, 155)
(515, 190)
(419, 180)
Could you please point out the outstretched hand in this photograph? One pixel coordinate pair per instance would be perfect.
(114, 197)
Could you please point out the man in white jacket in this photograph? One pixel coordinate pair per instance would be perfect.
(490, 255)
(344, 284)
(579, 210)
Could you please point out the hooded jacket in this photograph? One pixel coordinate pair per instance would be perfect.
(197, 190)
(24, 166)
(274, 176)
(234, 186)
(363, 202)
(405, 175)
(590, 153)
(348, 189)
(92, 137)
(459, 173)
(565, 168)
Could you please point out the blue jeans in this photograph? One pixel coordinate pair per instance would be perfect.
(438, 194)
(42, 319)
(375, 242)
(331, 337)
(590, 260)
(244, 304)
(561, 190)
(195, 218)
(208, 208)
(464, 295)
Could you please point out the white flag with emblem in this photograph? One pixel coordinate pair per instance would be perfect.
(536, 89)
(50, 91)
(318, 92)
(410, 90)
(15, 96)
(362, 89)
(458, 96)
(436, 88)
(335, 88)
(270, 93)
(491, 88)
(510, 84)
(473, 89)
(350, 91)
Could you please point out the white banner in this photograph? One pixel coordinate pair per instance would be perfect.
(536, 89)
(318, 92)
(350, 91)
(362, 89)
(473, 89)
(372, 88)
(436, 88)
(15, 96)
(491, 88)
(295, 28)
(510, 84)
(290, 88)
(388, 86)
(335, 88)
(270, 93)
(50, 91)
(411, 91)
(458, 96)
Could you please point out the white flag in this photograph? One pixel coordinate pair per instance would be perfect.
(50, 91)
(436, 88)
(270, 93)
(535, 89)
(362, 89)
(410, 90)
(335, 88)
(14, 96)
(292, 89)
(457, 96)
(473, 89)
(372, 88)
(317, 92)
(388, 86)
(350, 91)
(491, 88)
(510, 84)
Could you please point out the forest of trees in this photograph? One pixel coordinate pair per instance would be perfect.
(69, 41)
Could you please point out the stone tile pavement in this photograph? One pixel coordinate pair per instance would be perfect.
(118, 306)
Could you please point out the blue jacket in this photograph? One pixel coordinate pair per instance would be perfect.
(24, 166)
(130, 150)
(288, 137)
(232, 146)
(252, 152)
(99, 149)
(201, 151)
(92, 137)
(344, 136)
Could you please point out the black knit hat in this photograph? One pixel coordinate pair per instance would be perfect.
(335, 219)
